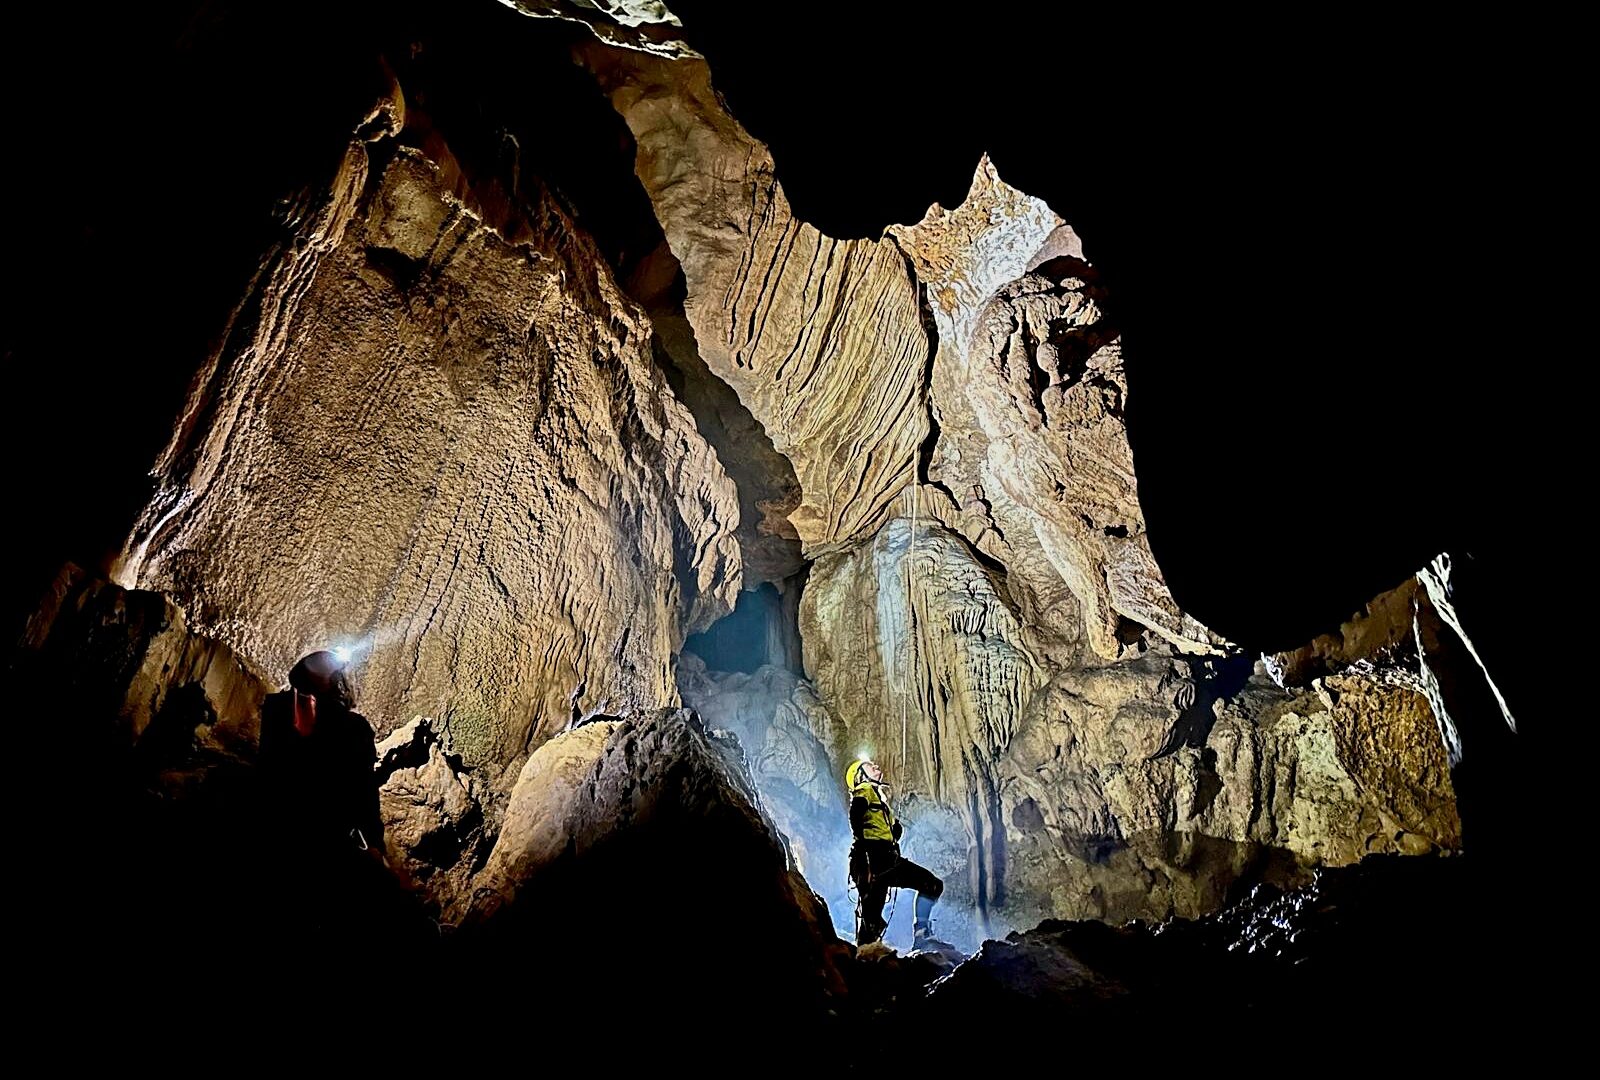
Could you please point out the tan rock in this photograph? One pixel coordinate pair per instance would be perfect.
(822, 339)
(438, 819)
(438, 430)
(622, 830)
(1029, 391)
(536, 829)
(454, 450)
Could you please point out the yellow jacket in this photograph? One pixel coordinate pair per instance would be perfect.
(877, 822)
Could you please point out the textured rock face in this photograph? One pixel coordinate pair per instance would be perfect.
(1022, 666)
(446, 442)
(927, 670)
(1029, 392)
(1136, 788)
(769, 544)
(439, 819)
(822, 339)
(1056, 698)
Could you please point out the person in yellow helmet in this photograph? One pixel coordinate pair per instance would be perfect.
(876, 864)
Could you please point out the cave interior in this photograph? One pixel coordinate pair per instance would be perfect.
(665, 409)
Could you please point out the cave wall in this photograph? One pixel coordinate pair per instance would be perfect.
(443, 439)
(1057, 722)
(823, 340)
(440, 430)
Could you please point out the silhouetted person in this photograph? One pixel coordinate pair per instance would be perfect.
(876, 864)
(317, 757)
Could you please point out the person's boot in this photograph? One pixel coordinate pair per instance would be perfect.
(922, 929)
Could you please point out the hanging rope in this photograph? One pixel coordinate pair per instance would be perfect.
(910, 667)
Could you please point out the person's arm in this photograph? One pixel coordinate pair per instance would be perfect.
(275, 709)
(858, 816)
(368, 815)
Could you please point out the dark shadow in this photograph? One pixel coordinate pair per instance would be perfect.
(1214, 679)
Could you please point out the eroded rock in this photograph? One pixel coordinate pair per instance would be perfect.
(789, 742)
(823, 340)
(446, 442)
(1029, 393)
(438, 818)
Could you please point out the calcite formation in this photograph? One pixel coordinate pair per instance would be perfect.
(790, 742)
(445, 443)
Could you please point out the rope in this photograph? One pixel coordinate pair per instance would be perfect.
(911, 631)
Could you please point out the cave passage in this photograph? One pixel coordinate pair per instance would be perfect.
(760, 630)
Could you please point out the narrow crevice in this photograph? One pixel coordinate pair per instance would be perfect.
(769, 491)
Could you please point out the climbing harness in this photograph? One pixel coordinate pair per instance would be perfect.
(855, 896)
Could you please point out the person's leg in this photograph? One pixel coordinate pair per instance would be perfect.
(908, 875)
(873, 895)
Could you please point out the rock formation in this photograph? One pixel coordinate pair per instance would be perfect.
(823, 340)
(990, 618)
(442, 438)
(515, 479)
(125, 677)
(1266, 966)
(623, 833)
(788, 739)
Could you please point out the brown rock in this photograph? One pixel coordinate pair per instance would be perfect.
(822, 339)
(1029, 390)
(437, 829)
(622, 834)
(451, 447)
